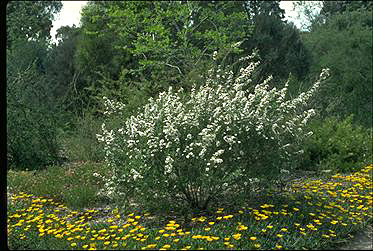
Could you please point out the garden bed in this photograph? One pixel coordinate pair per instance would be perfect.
(308, 213)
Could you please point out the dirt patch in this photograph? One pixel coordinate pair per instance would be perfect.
(361, 241)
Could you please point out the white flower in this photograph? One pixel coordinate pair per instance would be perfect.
(215, 118)
(202, 152)
(284, 171)
(229, 139)
(254, 180)
(169, 160)
(219, 152)
(236, 45)
(214, 55)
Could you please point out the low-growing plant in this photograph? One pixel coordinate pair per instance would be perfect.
(313, 214)
(80, 196)
(337, 145)
(74, 184)
(190, 150)
(81, 143)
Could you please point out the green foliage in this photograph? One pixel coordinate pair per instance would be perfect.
(34, 242)
(80, 196)
(32, 121)
(65, 80)
(149, 46)
(95, 51)
(32, 111)
(314, 14)
(77, 187)
(344, 44)
(254, 9)
(337, 145)
(280, 48)
(80, 141)
(25, 20)
(331, 8)
(279, 43)
(18, 181)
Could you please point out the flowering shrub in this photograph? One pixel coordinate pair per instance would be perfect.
(193, 149)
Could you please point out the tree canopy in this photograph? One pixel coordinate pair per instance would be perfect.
(30, 20)
(151, 45)
(131, 51)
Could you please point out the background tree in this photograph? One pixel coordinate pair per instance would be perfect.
(62, 72)
(316, 13)
(32, 113)
(30, 20)
(255, 8)
(330, 8)
(280, 46)
(148, 46)
(344, 44)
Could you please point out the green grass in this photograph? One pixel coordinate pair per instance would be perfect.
(310, 214)
(74, 185)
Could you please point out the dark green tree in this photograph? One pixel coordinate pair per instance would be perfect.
(32, 113)
(255, 8)
(61, 70)
(330, 8)
(327, 10)
(344, 44)
(279, 43)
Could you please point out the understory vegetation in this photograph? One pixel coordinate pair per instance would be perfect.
(188, 125)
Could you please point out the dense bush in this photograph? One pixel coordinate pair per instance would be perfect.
(32, 126)
(191, 149)
(337, 145)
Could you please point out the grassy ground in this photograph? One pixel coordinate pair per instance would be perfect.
(58, 209)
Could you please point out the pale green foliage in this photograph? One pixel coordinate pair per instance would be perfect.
(132, 50)
(192, 149)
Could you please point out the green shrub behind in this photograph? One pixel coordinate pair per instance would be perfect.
(337, 145)
(32, 121)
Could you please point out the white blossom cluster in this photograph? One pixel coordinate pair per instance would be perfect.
(216, 127)
(112, 106)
